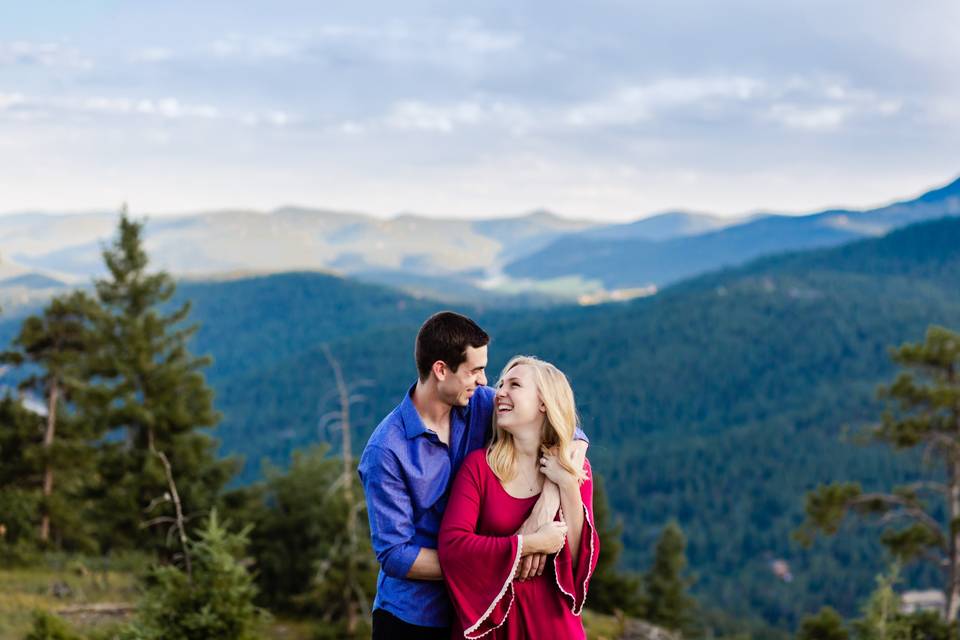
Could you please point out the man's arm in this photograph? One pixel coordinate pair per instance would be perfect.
(549, 501)
(544, 511)
(426, 566)
(390, 512)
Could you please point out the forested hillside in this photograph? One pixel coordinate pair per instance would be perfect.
(718, 402)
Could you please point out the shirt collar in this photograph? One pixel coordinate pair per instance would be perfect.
(412, 423)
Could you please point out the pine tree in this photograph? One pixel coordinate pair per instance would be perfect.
(666, 602)
(306, 564)
(881, 619)
(20, 430)
(152, 390)
(924, 413)
(212, 603)
(825, 625)
(53, 347)
(611, 589)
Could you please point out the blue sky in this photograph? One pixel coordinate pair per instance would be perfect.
(608, 110)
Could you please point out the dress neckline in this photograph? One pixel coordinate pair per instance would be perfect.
(503, 489)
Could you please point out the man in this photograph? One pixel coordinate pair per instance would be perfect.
(407, 468)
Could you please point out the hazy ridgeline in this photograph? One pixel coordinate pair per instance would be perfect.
(718, 403)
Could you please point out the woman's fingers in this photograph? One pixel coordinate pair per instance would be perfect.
(540, 564)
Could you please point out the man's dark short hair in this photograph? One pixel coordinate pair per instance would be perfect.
(445, 336)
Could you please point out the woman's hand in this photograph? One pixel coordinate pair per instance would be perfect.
(550, 467)
(551, 536)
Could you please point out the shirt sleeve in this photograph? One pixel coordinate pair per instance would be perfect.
(578, 434)
(389, 510)
(478, 569)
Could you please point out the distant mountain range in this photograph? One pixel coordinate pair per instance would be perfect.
(625, 256)
(539, 255)
(67, 246)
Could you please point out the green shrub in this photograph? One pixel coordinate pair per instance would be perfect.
(213, 603)
(47, 626)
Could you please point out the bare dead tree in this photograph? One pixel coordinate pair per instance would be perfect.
(356, 599)
(178, 521)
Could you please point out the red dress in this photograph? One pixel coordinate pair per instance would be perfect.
(479, 554)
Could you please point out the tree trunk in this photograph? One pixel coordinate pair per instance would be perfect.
(953, 511)
(344, 394)
(48, 436)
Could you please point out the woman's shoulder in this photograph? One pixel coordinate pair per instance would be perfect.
(476, 459)
(475, 467)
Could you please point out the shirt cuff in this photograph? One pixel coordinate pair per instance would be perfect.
(400, 560)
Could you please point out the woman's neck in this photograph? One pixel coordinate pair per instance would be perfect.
(528, 447)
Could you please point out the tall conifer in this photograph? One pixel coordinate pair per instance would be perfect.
(53, 347)
(922, 518)
(150, 390)
(610, 588)
(667, 603)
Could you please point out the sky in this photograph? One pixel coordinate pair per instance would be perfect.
(606, 110)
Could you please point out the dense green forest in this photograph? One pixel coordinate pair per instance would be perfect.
(719, 402)
(112, 456)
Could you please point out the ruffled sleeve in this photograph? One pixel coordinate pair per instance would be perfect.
(478, 569)
(574, 580)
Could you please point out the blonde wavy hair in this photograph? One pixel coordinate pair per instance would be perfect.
(559, 422)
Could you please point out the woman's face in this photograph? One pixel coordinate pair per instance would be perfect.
(518, 403)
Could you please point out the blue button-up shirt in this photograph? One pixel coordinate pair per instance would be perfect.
(406, 473)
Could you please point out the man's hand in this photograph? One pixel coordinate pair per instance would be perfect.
(532, 565)
(543, 512)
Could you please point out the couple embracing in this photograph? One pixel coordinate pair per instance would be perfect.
(480, 499)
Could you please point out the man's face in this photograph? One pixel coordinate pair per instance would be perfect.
(457, 387)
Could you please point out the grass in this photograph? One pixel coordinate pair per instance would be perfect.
(26, 589)
(87, 581)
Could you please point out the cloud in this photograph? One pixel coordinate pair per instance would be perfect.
(257, 47)
(10, 100)
(42, 54)
(415, 115)
(166, 108)
(153, 54)
(827, 105)
(170, 108)
(473, 36)
(811, 104)
(637, 103)
(822, 118)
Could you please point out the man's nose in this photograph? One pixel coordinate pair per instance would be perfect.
(482, 380)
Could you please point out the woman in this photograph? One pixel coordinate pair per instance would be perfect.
(493, 494)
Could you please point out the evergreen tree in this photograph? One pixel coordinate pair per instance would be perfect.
(925, 413)
(53, 346)
(20, 430)
(880, 619)
(666, 602)
(299, 537)
(825, 625)
(611, 589)
(151, 389)
(214, 602)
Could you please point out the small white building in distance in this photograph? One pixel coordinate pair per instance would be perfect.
(930, 600)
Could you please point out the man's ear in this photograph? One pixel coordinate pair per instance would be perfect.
(440, 369)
